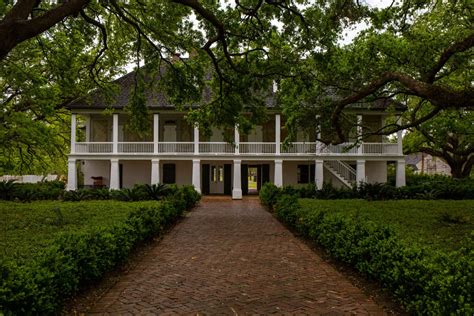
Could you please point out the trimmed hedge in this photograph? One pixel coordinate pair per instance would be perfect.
(78, 258)
(449, 190)
(55, 190)
(425, 281)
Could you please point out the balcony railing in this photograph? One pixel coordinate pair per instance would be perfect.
(299, 148)
(380, 148)
(94, 148)
(245, 148)
(342, 149)
(175, 147)
(138, 148)
(216, 148)
(257, 148)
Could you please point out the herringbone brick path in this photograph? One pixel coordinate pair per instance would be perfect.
(233, 257)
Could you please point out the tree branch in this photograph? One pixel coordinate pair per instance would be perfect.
(15, 28)
(457, 47)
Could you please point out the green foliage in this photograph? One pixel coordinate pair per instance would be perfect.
(268, 194)
(157, 191)
(425, 280)
(54, 190)
(27, 192)
(448, 136)
(422, 188)
(7, 189)
(76, 257)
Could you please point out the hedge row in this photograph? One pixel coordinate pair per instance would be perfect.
(450, 190)
(425, 281)
(76, 259)
(55, 190)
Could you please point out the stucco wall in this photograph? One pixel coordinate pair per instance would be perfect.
(96, 168)
(376, 171)
(331, 178)
(135, 172)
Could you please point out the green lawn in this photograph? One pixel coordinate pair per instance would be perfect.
(28, 227)
(441, 224)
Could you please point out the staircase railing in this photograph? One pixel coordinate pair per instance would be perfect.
(347, 174)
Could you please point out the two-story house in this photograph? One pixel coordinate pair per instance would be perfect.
(106, 153)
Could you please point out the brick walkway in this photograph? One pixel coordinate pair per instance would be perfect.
(233, 257)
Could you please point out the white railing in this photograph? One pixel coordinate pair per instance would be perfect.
(135, 147)
(93, 147)
(175, 147)
(380, 148)
(343, 169)
(216, 148)
(299, 148)
(247, 148)
(343, 148)
(257, 148)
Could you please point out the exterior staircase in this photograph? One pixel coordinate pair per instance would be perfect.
(341, 170)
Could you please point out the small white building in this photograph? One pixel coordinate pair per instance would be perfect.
(109, 155)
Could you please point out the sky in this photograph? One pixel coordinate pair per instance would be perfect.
(354, 30)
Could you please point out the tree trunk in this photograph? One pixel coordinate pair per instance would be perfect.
(461, 167)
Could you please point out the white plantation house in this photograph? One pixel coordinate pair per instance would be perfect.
(109, 155)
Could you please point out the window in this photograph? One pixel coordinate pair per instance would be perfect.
(217, 173)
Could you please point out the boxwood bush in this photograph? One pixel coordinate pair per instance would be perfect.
(74, 259)
(431, 190)
(425, 281)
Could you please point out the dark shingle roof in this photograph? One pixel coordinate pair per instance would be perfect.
(96, 99)
(378, 105)
(158, 100)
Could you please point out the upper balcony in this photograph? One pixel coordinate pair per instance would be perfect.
(171, 135)
(223, 148)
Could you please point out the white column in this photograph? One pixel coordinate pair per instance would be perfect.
(319, 145)
(237, 141)
(71, 175)
(196, 139)
(156, 131)
(319, 173)
(197, 174)
(88, 128)
(400, 180)
(359, 134)
(73, 133)
(114, 174)
(155, 171)
(115, 132)
(237, 188)
(360, 174)
(277, 133)
(278, 178)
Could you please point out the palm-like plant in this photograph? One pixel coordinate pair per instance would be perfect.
(156, 191)
(7, 189)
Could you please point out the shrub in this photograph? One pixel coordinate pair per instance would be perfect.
(425, 281)
(7, 189)
(269, 194)
(156, 191)
(75, 259)
(376, 191)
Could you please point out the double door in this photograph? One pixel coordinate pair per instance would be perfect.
(217, 178)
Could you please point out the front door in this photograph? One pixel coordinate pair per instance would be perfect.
(216, 183)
